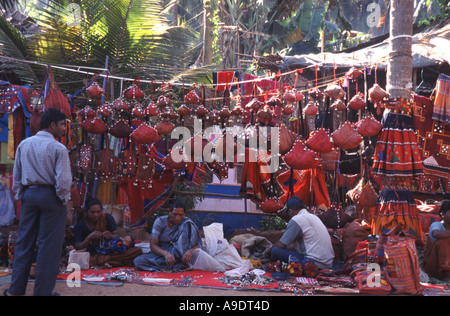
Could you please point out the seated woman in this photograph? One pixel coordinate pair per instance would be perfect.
(173, 240)
(93, 230)
(437, 253)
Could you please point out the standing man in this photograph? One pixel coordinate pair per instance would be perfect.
(41, 179)
(308, 235)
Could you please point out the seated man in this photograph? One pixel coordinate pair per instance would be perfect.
(436, 261)
(173, 240)
(307, 233)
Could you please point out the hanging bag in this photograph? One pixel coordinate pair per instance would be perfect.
(134, 92)
(320, 141)
(346, 136)
(368, 126)
(145, 135)
(120, 129)
(301, 157)
(55, 98)
(84, 161)
(94, 90)
(105, 161)
(94, 125)
(144, 168)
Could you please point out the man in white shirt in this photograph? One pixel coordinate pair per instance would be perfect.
(41, 180)
(308, 235)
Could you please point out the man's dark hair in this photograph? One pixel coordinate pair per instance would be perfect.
(51, 115)
(295, 203)
(178, 204)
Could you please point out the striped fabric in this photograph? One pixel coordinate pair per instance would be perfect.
(397, 152)
(306, 281)
(402, 265)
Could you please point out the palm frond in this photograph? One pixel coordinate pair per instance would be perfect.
(13, 45)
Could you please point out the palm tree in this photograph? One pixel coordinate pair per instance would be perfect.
(399, 74)
(133, 35)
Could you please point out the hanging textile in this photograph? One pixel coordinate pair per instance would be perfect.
(441, 109)
(144, 200)
(12, 97)
(397, 161)
(264, 85)
(310, 191)
(397, 152)
(252, 180)
(397, 206)
(223, 78)
(434, 143)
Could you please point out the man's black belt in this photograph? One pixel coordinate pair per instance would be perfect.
(40, 186)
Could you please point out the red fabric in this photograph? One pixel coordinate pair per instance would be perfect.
(433, 139)
(302, 186)
(136, 194)
(224, 78)
(200, 278)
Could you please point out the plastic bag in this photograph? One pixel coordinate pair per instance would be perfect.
(7, 211)
(219, 248)
(81, 258)
(243, 269)
(201, 260)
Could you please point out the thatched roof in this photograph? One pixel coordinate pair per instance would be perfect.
(430, 48)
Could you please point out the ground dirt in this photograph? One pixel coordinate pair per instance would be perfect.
(127, 289)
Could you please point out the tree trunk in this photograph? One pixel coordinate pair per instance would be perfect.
(399, 71)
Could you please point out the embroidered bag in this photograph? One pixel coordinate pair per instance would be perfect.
(286, 138)
(94, 90)
(183, 110)
(334, 91)
(376, 93)
(120, 129)
(402, 265)
(94, 125)
(271, 205)
(145, 135)
(145, 168)
(105, 161)
(129, 159)
(346, 136)
(320, 141)
(84, 161)
(310, 109)
(134, 92)
(367, 282)
(301, 157)
(357, 102)
(199, 174)
(55, 98)
(164, 127)
(368, 126)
